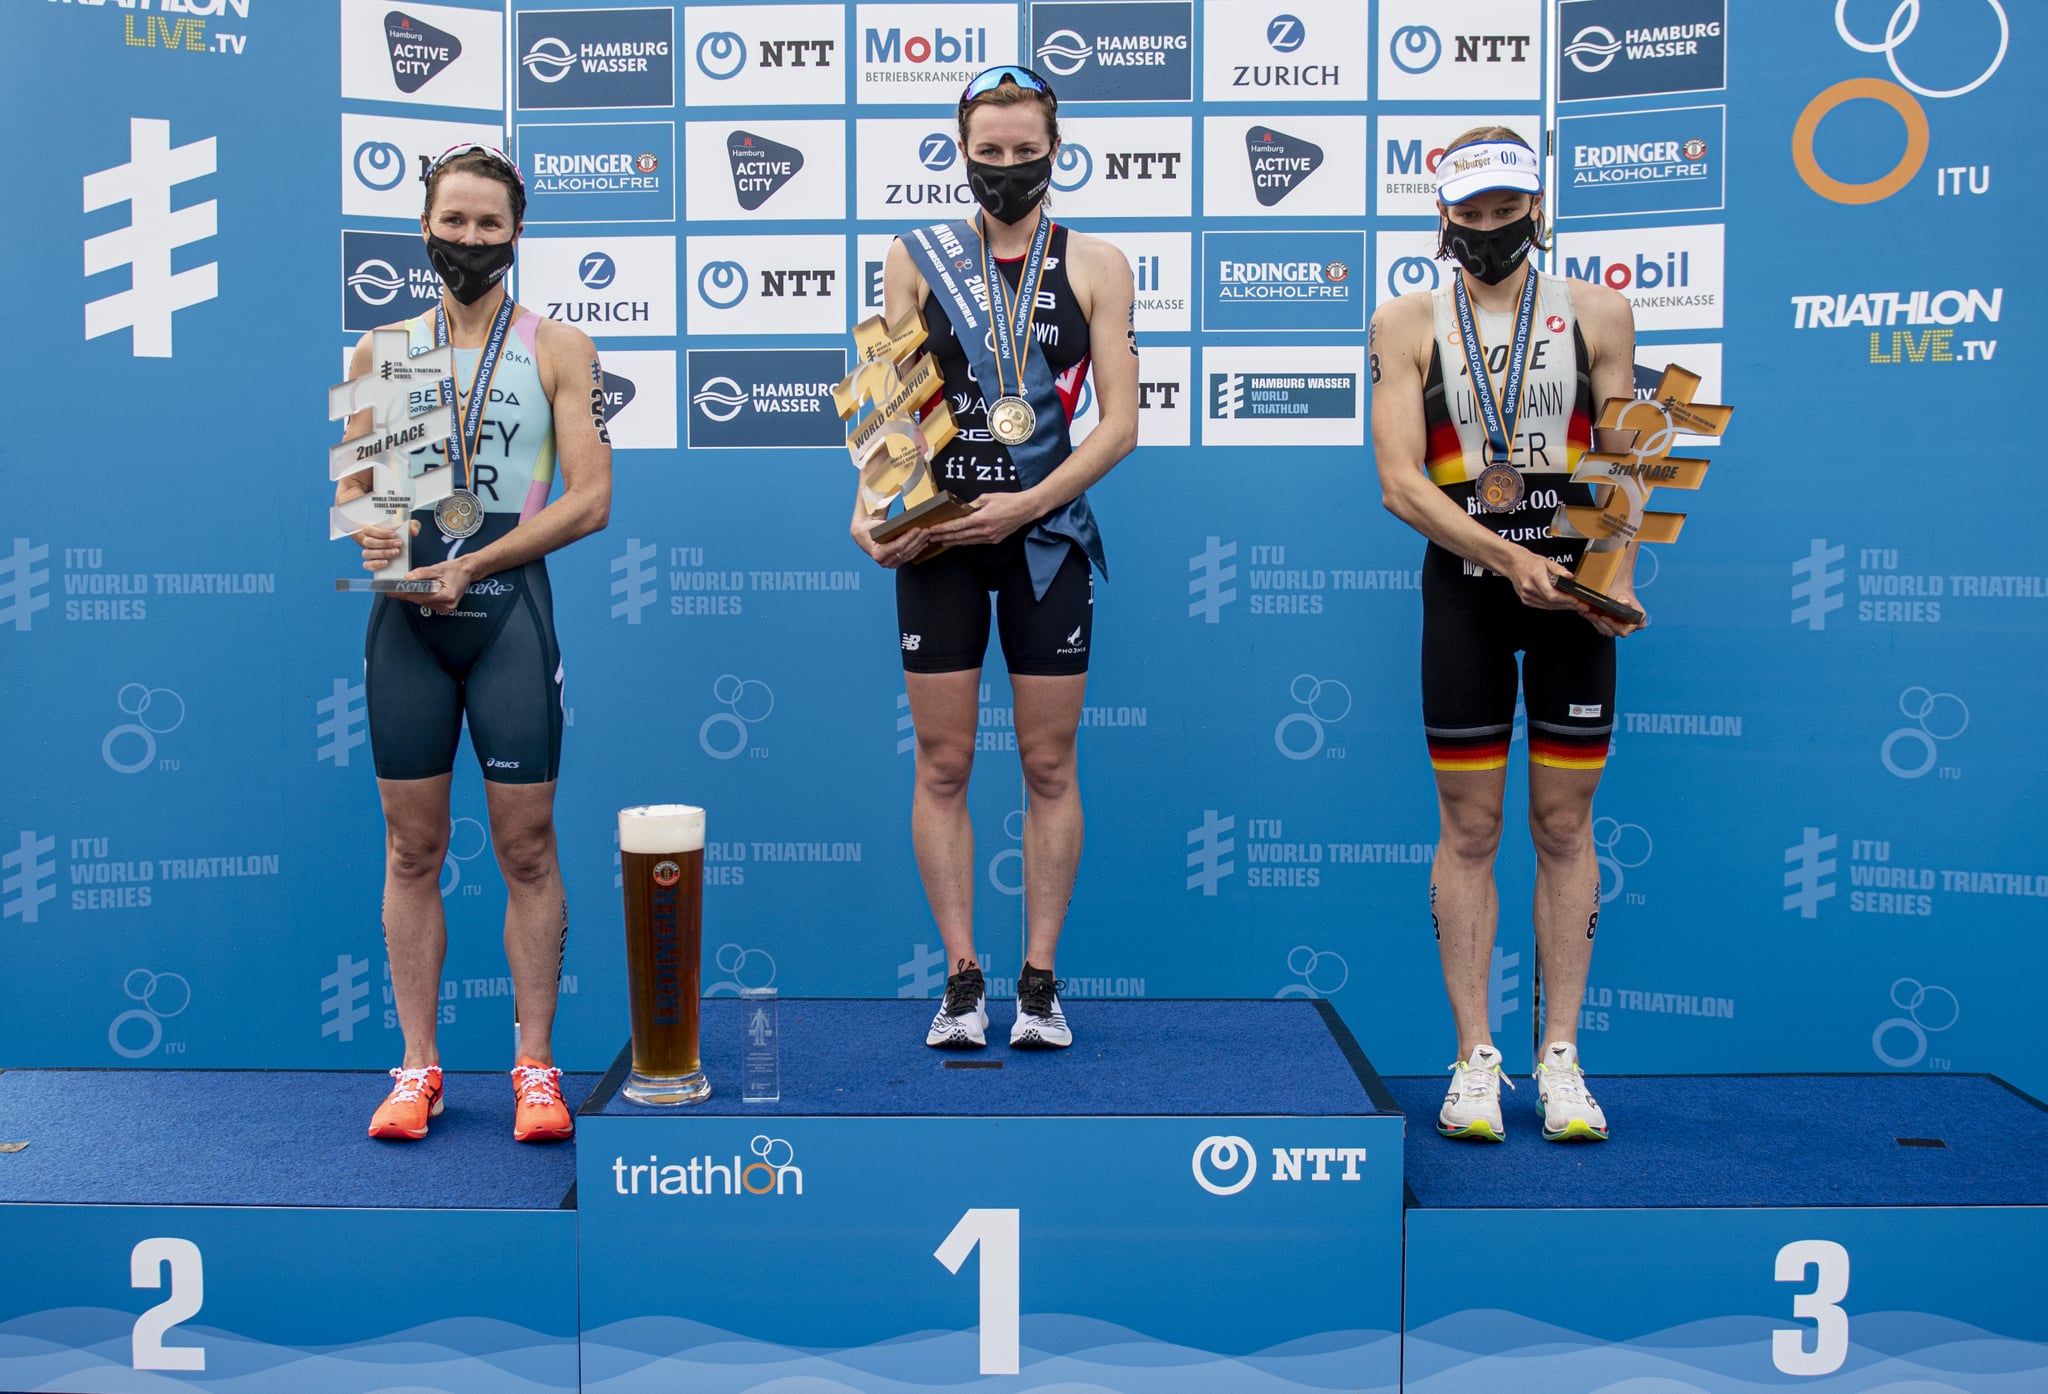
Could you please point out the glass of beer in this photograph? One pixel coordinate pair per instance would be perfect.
(661, 857)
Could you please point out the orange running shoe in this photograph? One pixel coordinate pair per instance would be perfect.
(412, 1101)
(542, 1115)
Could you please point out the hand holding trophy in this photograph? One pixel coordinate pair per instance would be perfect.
(890, 446)
(389, 391)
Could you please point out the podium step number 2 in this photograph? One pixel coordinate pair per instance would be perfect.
(147, 1267)
(1001, 1286)
(1830, 1264)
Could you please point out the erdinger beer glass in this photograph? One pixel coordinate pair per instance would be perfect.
(661, 857)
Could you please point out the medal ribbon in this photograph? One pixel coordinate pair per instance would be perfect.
(1498, 415)
(1010, 333)
(467, 437)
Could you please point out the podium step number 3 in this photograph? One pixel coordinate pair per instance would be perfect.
(1001, 1289)
(147, 1266)
(1830, 1264)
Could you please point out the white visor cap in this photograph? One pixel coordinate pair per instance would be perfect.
(1487, 165)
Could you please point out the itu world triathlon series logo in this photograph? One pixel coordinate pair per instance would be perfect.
(154, 167)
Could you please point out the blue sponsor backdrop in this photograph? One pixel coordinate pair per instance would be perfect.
(1814, 825)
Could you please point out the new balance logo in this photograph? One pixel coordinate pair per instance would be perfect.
(633, 580)
(1810, 874)
(1211, 575)
(1818, 578)
(154, 294)
(21, 584)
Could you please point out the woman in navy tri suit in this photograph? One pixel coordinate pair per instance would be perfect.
(1064, 308)
(480, 651)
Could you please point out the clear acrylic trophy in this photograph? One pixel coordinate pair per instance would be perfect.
(396, 383)
(760, 1046)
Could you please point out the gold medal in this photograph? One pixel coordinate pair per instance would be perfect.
(1012, 421)
(1500, 489)
(461, 514)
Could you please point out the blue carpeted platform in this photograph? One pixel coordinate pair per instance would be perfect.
(1134, 1059)
(1742, 1141)
(264, 1137)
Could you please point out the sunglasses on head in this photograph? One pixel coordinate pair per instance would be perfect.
(987, 82)
(489, 152)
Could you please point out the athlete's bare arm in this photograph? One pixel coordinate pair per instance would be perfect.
(1398, 358)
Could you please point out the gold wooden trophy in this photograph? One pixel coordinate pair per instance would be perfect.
(1623, 482)
(890, 446)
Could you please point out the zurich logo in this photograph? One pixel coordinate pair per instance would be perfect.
(379, 164)
(1072, 168)
(722, 284)
(549, 60)
(596, 270)
(1415, 48)
(721, 54)
(1064, 52)
(936, 151)
(1285, 33)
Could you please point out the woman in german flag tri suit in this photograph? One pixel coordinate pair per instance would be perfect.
(1014, 372)
(1484, 395)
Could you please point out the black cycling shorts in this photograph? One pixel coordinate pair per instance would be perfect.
(942, 611)
(1472, 628)
(497, 663)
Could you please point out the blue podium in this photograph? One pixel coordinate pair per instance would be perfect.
(1202, 1198)
(1742, 1232)
(234, 1230)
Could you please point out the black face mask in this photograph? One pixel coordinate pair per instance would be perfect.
(1491, 257)
(1008, 193)
(469, 270)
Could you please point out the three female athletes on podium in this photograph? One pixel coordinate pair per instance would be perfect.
(483, 644)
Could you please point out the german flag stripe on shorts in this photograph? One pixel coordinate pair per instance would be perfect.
(1568, 751)
(1483, 751)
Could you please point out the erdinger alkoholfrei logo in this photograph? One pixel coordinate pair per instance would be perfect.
(419, 51)
(667, 873)
(1279, 163)
(760, 166)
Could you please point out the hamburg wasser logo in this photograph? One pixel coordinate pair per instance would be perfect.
(760, 167)
(1116, 50)
(768, 1169)
(419, 51)
(1628, 48)
(596, 58)
(1279, 162)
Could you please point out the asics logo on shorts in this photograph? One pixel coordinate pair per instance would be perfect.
(911, 642)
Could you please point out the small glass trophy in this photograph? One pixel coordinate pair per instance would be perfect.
(396, 382)
(760, 1046)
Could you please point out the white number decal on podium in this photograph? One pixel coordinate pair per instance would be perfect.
(188, 1294)
(1830, 1263)
(1001, 1293)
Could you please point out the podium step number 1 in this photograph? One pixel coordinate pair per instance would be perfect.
(995, 1231)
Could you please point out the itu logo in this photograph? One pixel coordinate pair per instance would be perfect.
(1324, 702)
(29, 869)
(722, 284)
(1211, 845)
(1899, 95)
(379, 165)
(549, 60)
(342, 713)
(1010, 857)
(937, 151)
(1914, 998)
(597, 270)
(1072, 167)
(1411, 273)
(467, 839)
(1415, 49)
(1810, 873)
(633, 580)
(1064, 53)
(923, 974)
(1816, 583)
(1217, 1161)
(721, 54)
(22, 579)
(1909, 752)
(748, 701)
(159, 997)
(1322, 973)
(720, 399)
(155, 294)
(344, 997)
(1285, 33)
(744, 969)
(1209, 588)
(130, 747)
(1619, 848)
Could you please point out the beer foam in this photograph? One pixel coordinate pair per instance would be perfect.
(662, 827)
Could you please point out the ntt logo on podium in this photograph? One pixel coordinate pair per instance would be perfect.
(1226, 1164)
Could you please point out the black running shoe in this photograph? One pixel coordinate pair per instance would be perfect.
(962, 1022)
(1040, 1025)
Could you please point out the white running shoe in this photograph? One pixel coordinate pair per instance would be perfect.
(1040, 1024)
(962, 1022)
(1472, 1107)
(1567, 1110)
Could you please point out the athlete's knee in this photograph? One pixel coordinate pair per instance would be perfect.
(415, 853)
(527, 857)
(1561, 829)
(1049, 769)
(1471, 831)
(943, 767)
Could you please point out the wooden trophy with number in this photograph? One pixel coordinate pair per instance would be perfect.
(892, 445)
(1624, 480)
